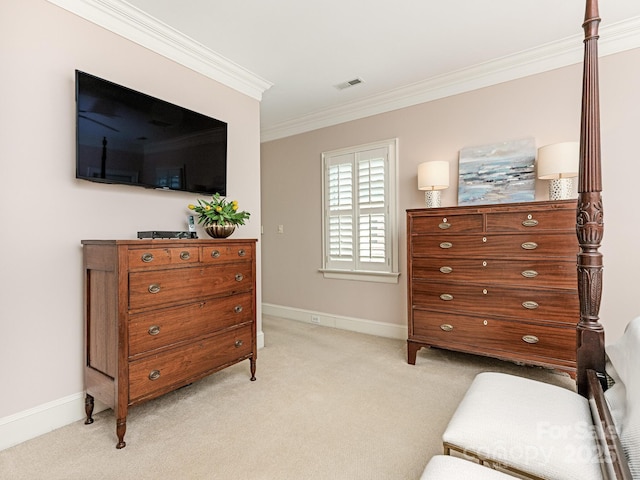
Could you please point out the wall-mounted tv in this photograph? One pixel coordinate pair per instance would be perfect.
(127, 137)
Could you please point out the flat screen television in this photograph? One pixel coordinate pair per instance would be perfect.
(127, 137)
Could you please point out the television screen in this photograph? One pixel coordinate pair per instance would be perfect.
(128, 137)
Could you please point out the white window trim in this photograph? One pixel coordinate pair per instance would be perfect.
(367, 275)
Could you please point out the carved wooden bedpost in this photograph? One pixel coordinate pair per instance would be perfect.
(589, 219)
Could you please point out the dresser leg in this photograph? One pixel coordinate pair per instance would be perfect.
(121, 428)
(412, 351)
(88, 408)
(252, 362)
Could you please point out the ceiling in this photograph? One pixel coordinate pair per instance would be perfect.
(405, 51)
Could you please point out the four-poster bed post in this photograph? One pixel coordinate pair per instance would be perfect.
(589, 218)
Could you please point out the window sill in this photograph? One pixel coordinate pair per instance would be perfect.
(377, 277)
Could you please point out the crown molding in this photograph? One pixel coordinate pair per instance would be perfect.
(569, 51)
(133, 24)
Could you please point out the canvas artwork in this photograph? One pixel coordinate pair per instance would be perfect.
(497, 173)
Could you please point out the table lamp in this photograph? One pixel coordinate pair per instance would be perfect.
(558, 162)
(433, 177)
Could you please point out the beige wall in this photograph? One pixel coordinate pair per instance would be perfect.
(43, 221)
(45, 211)
(545, 106)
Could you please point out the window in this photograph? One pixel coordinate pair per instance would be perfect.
(359, 219)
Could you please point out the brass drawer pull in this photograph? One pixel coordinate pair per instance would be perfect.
(530, 339)
(444, 225)
(154, 330)
(446, 327)
(185, 255)
(238, 308)
(241, 252)
(529, 222)
(529, 274)
(147, 257)
(154, 375)
(154, 288)
(446, 297)
(239, 277)
(215, 254)
(446, 269)
(530, 305)
(529, 245)
(446, 245)
(238, 343)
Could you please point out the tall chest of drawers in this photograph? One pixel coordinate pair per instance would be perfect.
(160, 314)
(495, 280)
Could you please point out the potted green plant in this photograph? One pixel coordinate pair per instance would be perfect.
(218, 216)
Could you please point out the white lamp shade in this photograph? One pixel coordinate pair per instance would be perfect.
(433, 175)
(558, 160)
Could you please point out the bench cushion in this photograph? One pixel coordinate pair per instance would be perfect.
(445, 467)
(624, 396)
(526, 425)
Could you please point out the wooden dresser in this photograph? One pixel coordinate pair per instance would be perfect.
(160, 314)
(496, 280)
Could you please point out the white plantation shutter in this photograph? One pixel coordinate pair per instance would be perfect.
(358, 203)
(340, 211)
(372, 202)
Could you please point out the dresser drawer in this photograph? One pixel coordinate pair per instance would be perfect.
(162, 328)
(467, 223)
(185, 285)
(495, 300)
(495, 335)
(520, 272)
(521, 245)
(158, 257)
(524, 221)
(227, 253)
(159, 373)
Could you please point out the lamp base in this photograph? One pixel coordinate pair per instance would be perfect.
(432, 198)
(561, 189)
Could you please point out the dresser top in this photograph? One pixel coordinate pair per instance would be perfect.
(168, 242)
(502, 207)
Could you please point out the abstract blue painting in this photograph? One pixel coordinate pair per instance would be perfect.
(497, 173)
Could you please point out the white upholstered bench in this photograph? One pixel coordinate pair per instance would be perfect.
(548, 432)
(527, 427)
(445, 467)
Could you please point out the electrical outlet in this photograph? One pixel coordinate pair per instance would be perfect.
(315, 319)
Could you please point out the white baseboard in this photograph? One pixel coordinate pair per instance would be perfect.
(36, 421)
(371, 327)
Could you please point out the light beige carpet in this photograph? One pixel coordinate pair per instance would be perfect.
(327, 404)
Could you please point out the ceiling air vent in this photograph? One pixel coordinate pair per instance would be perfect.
(349, 83)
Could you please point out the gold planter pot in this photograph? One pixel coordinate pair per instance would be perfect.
(220, 231)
